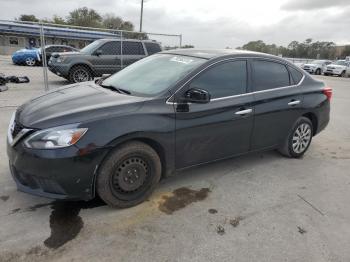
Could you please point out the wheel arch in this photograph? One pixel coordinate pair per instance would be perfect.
(167, 167)
(314, 121)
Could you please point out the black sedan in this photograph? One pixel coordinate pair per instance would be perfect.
(173, 110)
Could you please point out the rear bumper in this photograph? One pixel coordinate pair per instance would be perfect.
(59, 174)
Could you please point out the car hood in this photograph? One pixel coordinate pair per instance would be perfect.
(75, 104)
(336, 66)
(26, 51)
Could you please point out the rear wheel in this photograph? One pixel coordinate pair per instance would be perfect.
(30, 61)
(298, 139)
(129, 175)
(80, 74)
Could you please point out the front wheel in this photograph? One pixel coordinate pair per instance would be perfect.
(318, 71)
(299, 139)
(129, 175)
(80, 74)
(342, 74)
(30, 61)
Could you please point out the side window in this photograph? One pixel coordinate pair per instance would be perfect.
(269, 75)
(110, 48)
(133, 48)
(152, 48)
(226, 79)
(296, 75)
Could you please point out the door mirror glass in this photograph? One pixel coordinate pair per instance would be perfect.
(98, 52)
(196, 95)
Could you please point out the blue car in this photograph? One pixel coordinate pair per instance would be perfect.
(30, 57)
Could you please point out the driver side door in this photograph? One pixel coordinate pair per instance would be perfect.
(220, 128)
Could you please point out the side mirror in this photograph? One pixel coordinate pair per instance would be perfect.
(197, 95)
(98, 52)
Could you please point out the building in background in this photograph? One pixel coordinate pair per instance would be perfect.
(15, 36)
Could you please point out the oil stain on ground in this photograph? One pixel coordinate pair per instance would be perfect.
(65, 222)
(181, 198)
(4, 198)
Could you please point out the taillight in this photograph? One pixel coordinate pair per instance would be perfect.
(328, 92)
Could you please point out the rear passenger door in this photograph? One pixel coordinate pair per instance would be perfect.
(277, 102)
(132, 51)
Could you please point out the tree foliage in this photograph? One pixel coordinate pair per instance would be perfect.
(84, 17)
(306, 49)
(28, 18)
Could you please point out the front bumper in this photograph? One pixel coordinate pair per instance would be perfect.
(333, 71)
(66, 173)
(309, 70)
(59, 69)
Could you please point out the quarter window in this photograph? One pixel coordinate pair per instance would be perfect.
(269, 75)
(226, 79)
(296, 75)
(152, 48)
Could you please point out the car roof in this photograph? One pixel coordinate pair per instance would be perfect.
(216, 53)
(130, 40)
(59, 46)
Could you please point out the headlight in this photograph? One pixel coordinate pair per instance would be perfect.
(55, 138)
(60, 59)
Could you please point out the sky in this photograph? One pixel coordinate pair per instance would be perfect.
(213, 23)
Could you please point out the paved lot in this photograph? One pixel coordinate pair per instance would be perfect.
(260, 207)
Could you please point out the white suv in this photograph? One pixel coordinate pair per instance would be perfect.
(316, 67)
(338, 68)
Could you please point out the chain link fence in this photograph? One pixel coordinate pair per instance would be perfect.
(55, 55)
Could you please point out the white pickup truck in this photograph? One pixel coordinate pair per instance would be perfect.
(338, 68)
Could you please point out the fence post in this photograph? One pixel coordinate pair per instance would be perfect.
(121, 50)
(43, 57)
(180, 36)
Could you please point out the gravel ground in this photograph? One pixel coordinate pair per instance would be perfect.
(259, 207)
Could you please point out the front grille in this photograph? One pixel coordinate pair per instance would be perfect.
(16, 129)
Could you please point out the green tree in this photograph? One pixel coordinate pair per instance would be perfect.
(84, 17)
(28, 18)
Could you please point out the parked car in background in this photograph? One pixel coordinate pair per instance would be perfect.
(317, 67)
(104, 56)
(338, 68)
(50, 49)
(29, 57)
(169, 111)
(33, 56)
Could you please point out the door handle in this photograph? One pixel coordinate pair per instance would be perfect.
(294, 103)
(244, 112)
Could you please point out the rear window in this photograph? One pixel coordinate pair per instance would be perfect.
(296, 75)
(268, 75)
(133, 48)
(152, 48)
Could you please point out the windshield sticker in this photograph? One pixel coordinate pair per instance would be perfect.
(184, 60)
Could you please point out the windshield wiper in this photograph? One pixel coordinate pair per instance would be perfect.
(114, 88)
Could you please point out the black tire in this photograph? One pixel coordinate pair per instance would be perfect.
(133, 162)
(318, 71)
(342, 74)
(288, 147)
(326, 74)
(79, 73)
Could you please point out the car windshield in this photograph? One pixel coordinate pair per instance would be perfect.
(154, 74)
(340, 62)
(90, 48)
